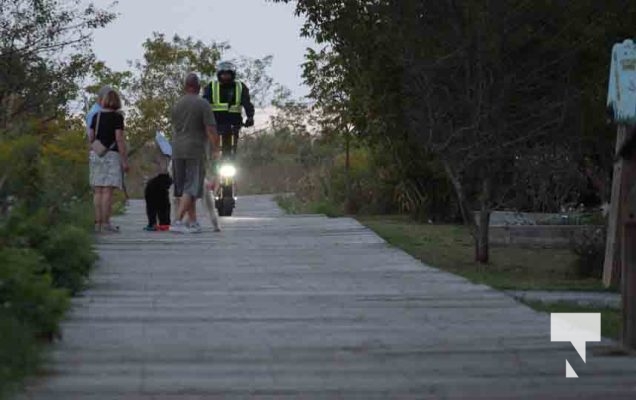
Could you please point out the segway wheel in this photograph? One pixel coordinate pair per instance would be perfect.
(225, 207)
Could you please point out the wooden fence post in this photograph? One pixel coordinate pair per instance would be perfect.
(612, 263)
(621, 247)
(628, 336)
(628, 264)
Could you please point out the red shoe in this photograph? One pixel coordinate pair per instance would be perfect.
(163, 228)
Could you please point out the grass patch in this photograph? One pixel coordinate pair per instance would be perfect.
(451, 248)
(611, 319)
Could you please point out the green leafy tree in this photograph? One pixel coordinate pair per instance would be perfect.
(254, 72)
(480, 86)
(158, 80)
(101, 75)
(45, 244)
(155, 82)
(44, 53)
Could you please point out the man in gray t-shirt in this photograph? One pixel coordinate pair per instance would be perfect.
(193, 127)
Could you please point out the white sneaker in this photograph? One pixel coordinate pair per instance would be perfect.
(178, 227)
(195, 228)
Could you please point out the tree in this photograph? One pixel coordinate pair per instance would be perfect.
(254, 72)
(158, 78)
(292, 116)
(480, 86)
(44, 52)
(101, 75)
(324, 73)
(155, 82)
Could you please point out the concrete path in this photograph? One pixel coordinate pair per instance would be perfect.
(303, 307)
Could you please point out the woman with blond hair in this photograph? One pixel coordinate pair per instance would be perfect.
(108, 159)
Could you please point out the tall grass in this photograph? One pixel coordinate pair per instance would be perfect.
(323, 180)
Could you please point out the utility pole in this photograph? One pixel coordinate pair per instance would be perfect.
(620, 254)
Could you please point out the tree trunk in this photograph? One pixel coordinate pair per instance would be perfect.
(482, 254)
(482, 251)
(478, 231)
(464, 206)
(612, 264)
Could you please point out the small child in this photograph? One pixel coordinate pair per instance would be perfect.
(157, 192)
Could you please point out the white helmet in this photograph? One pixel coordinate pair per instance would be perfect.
(226, 66)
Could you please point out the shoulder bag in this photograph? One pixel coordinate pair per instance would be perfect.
(97, 146)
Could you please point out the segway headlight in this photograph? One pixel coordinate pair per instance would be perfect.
(228, 171)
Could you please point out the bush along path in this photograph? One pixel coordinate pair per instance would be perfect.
(46, 249)
(41, 266)
(302, 307)
(46, 244)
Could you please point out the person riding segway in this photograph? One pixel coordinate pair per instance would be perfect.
(228, 97)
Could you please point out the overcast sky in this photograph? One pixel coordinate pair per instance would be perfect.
(254, 28)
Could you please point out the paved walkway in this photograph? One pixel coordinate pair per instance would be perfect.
(303, 307)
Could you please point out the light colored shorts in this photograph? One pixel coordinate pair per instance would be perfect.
(188, 176)
(106, 171)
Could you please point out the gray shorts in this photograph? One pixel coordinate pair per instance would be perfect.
(188, 176)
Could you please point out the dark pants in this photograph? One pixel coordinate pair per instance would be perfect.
(229, 139)
(158, 200)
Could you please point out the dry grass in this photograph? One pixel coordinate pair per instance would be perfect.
(276, 177)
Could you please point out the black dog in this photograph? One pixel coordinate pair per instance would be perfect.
(158, 202)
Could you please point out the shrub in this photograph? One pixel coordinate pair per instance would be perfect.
(70, 255)
(327, 208)
(45, 245)
(380, 179)
(24, 229)
(26, 291)
(289, 203)
(19, 354)
(589, 246)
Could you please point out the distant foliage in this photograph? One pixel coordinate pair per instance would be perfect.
(155, 82)
(505, 98)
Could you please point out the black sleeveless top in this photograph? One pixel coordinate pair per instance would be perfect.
(109, 123)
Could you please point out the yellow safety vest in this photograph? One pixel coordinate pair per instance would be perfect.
(217, 106)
